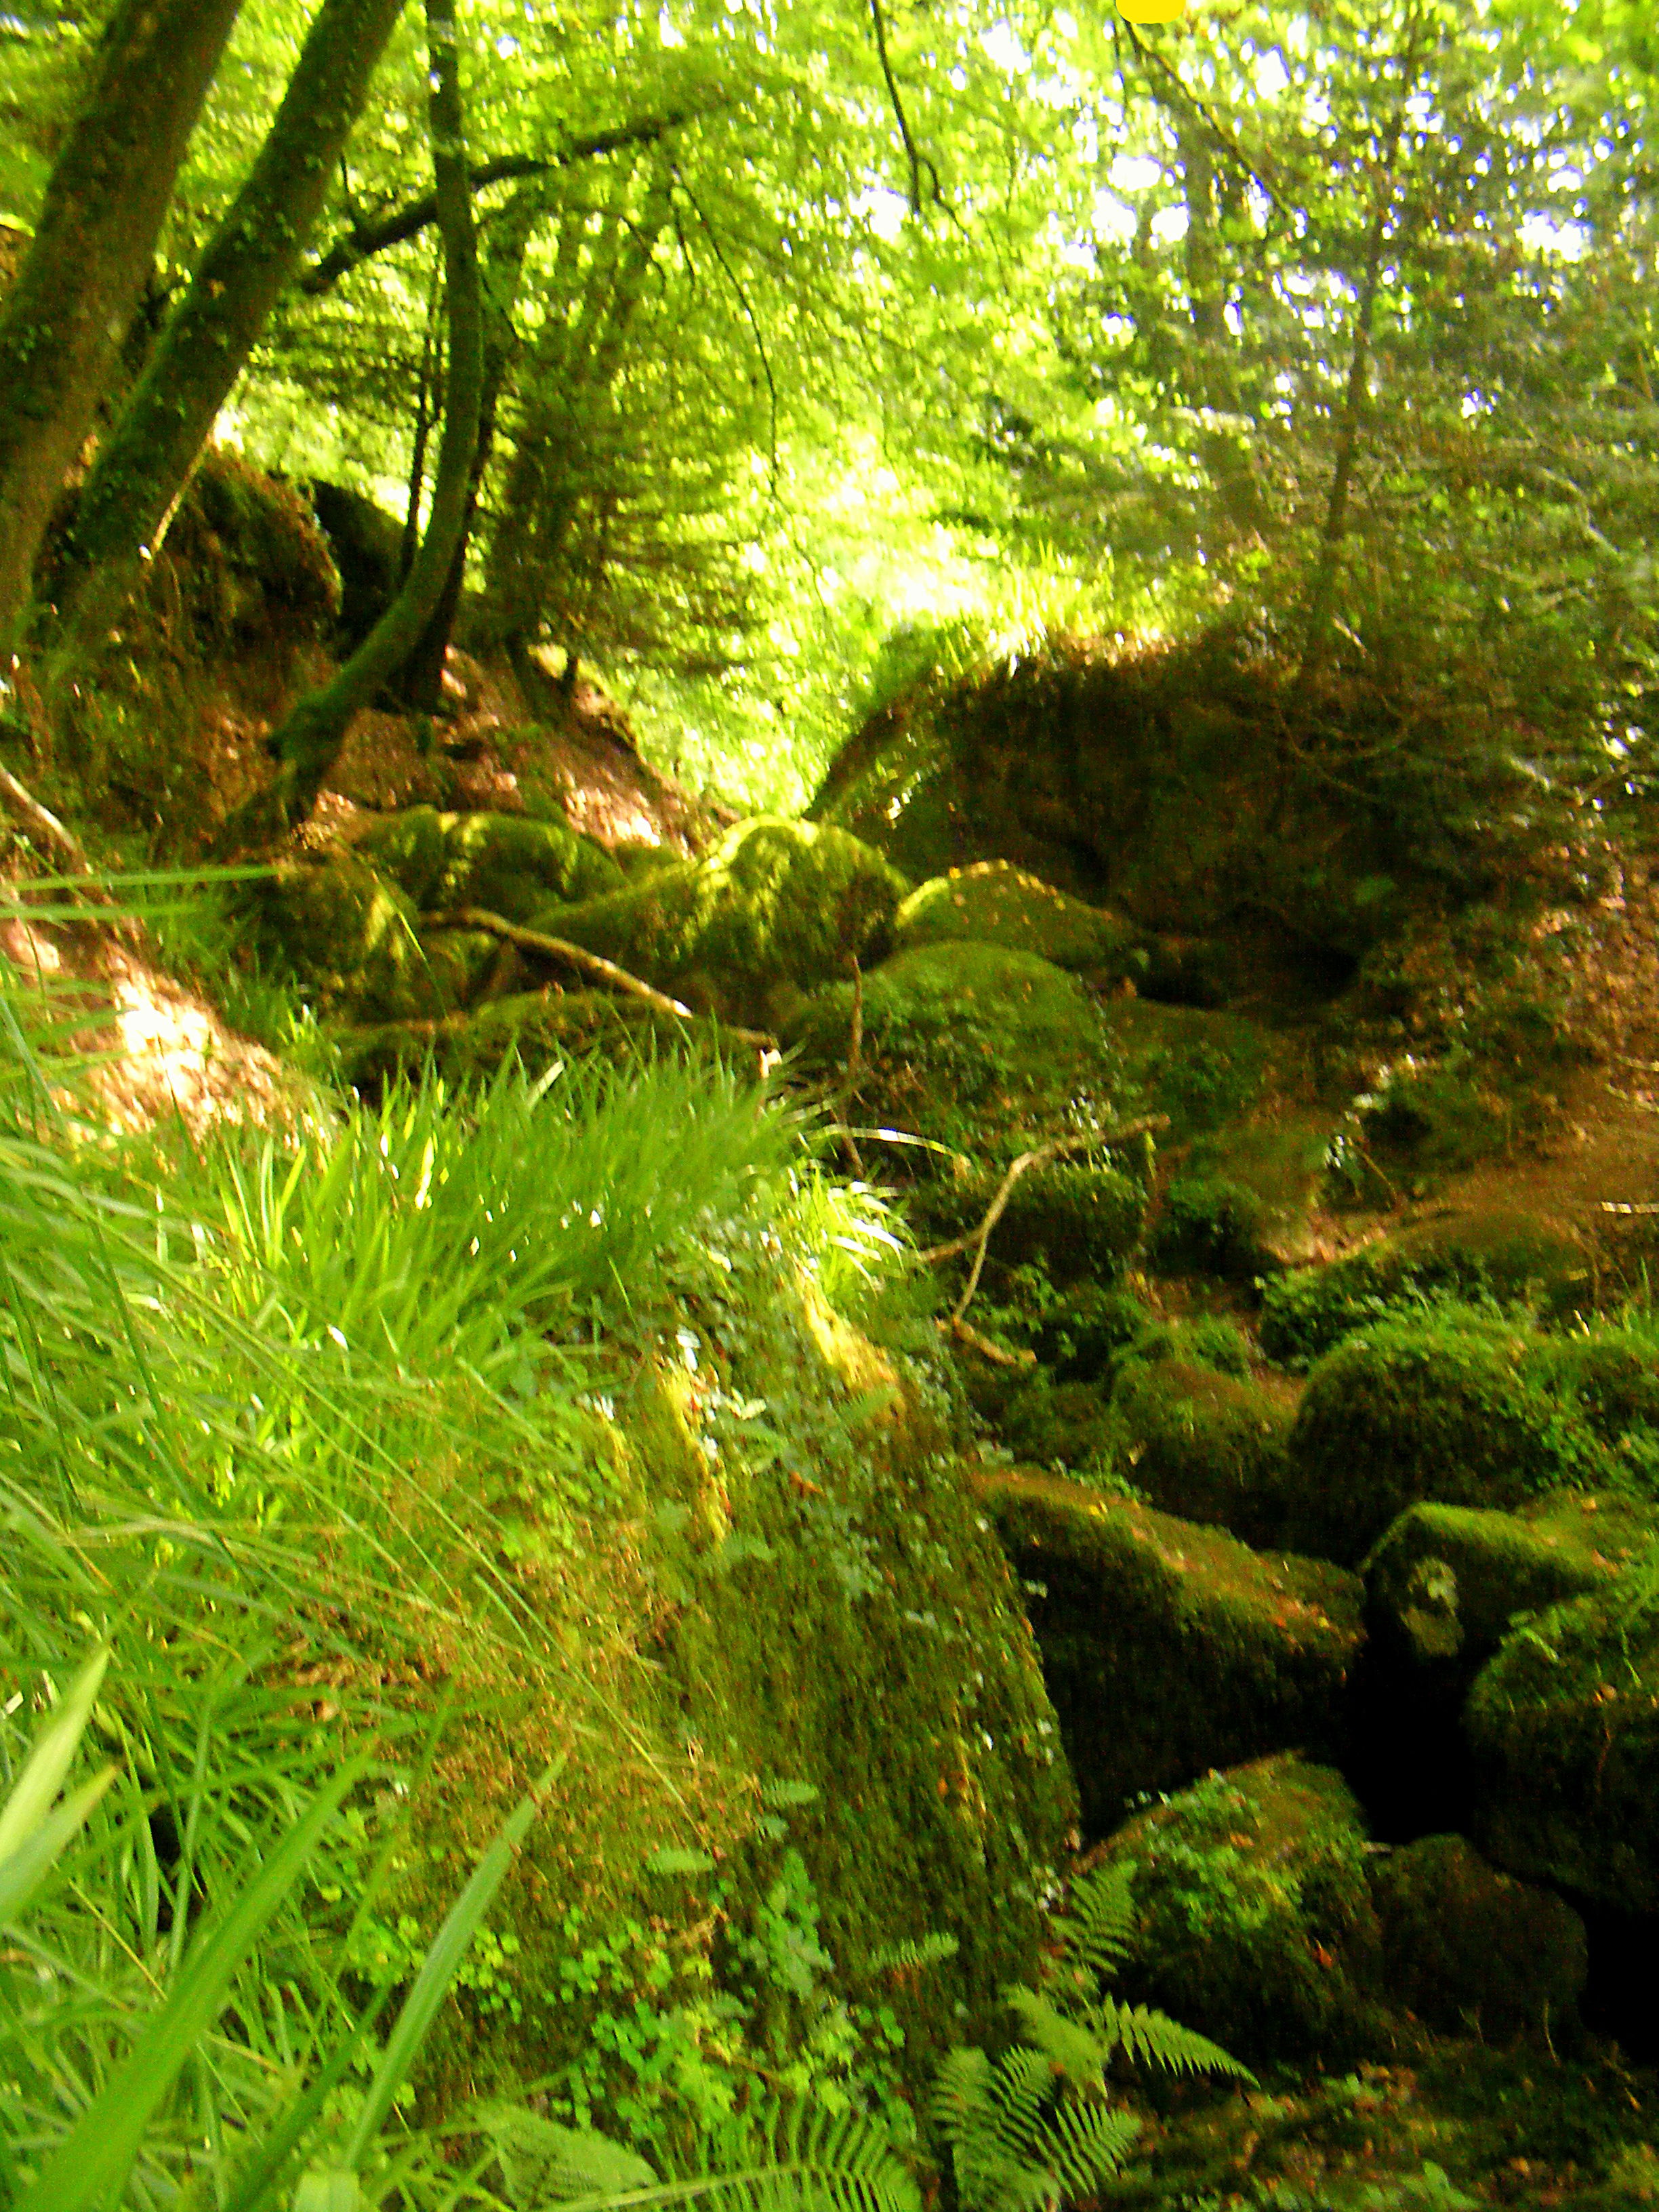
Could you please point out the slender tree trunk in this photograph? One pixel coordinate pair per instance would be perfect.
(142, 465)
(503, 273)
(62, 326)
(307, 742)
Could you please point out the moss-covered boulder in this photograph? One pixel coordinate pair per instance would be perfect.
(1246, 1201)
(1609, 1378)
(541, 1029)
(352, 937)
(1207, 1446)
(1563, 1725)
(1445, 1581)
(504, 863)
(1083, 1332)
(1470, 1950)
(969, 1045)
(1080, 1222)
(994, 903)
(1170, 1647)
(1256, 1923)
(1404, 1412)
(1066, 1424)
(775, 908)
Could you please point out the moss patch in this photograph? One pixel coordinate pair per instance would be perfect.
(539, 1028)
(969, 1044)
(775, 904)
(1402, 1412)
(1256, 1922)
(1469, 1949)
(994, 903)
(1199, 1068)
(505, 863)
(1207, 1446)
(351, 937)
(1268, 1182)
(1563, 1726)
(1170, 1648)
(1446, 1581)
(1078, 1221)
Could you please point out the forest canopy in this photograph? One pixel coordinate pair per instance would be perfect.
(806, 343)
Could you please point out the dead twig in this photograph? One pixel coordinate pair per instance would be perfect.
(975, 1342)
(589, 963)
(978, 1240)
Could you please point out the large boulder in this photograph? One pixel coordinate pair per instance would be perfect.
(972, 1046)
(1207, 1446)
(1255, 1920)
(352, 937)
(994, 903)
(504, 863)
(1563, 1725)
(1170, 1647)
(1470, 1950)
(1406, 1411)
(776, 909)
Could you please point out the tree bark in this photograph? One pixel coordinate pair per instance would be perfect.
(307, 742)
(62, 327)
(143, 463)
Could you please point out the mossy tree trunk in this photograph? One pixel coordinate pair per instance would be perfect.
(142, 465)
(307, 742)
(62, 328)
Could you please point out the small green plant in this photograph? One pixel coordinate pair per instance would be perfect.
(1036, 2128)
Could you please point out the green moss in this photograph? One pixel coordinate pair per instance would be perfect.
(1492, 1257)
(1563, 1729)
(1445, 1581)
(1469, 1949)
(994, 903)
(1170, 1648)
(969, 1044)
(411, 847)
(1608, 1376)
(1199, 1068)
(1402, 1412)
(350, 937)
(774, 904)
(1075, 1220)
(1273, 1175)
(1082, 1333)
(1067, 1424)
(1213, 1226)
(1209, 1446)
(539, 1028)
(1256, 1917)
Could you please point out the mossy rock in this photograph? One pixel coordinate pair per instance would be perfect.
(971, 1045)
(1207, 1446)
(637, 860)
(538, 1029)
(1401, 1413)
(1083, 1332)
(504, 863)
(1066, 1424)
(1246, 1201)
(1201, 1067)
(1170, 1647)
(775, 906)
(1445, 1581)
(1256, 1919)
(351, 937)
(1494, 1255)
(994, 903)
(1563, 1727)
(1078, 1221)
(1473, 1951)
(1609, 1378)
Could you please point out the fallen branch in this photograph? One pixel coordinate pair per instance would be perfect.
(977, 1240)
(589, 964)
(975, 1342)
(46, 825)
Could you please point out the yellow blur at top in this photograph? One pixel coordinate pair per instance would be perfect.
(1152, 11)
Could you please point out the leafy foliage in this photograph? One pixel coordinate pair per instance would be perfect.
(1034, 2129)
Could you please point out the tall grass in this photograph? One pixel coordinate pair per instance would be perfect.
(254, 1394)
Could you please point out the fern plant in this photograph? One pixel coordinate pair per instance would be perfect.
(1036, 2129)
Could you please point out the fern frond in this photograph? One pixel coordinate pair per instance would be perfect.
(543, 2163)
(809, 2160)
(1067, 2044)
(1100, 1927)
(931, 1951)
(1150, 2038)
(1084, 2143)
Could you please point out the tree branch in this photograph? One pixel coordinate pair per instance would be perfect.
(365, 239)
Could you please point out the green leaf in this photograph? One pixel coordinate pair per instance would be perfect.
(35, 1788)
(671, 1861)
(23, 1874)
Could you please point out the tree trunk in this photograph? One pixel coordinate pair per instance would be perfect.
(143, 463)
(307, 742)
(62, 327)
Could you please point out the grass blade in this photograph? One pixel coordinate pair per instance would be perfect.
(42, 1776)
